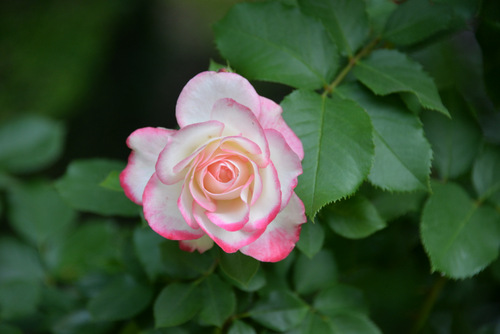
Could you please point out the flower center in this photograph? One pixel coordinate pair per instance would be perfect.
(222, 172)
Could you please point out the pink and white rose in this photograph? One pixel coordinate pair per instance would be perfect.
(226, 176)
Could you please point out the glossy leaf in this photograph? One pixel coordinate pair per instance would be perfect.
(273, 42)
(80, 187)
(29, 143)
(460, 237)
(311, 239)
(455, 141)
(353, 324)
(389, 71)
(238, 266)
(239, 327)
(147, 247)
(279, 311)
(314, 274)
(379, 12)
(122, 298)
(219, 301)
(337, 139)
(340, 299)
(403, 155)
(313, 323)
(486, 175)
(415, 20)
(345, 20)
(176, 304)
(354, 218)
(37, 211)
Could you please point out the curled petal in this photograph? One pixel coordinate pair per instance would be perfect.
(286, 162)
(229, 241)
(146, 145)
(280, 236)
(230, 215)
(201, 245)
(162, 213)
(201, 92)
(183, 147)
(270, 118)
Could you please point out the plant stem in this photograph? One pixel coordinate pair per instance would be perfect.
(352, 61)
(428, 304)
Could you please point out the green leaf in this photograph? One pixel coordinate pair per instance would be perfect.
(340, 299)
(121, 298)
(18, 298)
(18, 261)
(30, 143)
(147, 247)
(353, 324)
(337, 139)
(391, 205)
(311, 239)
(314, 274)
(403, 155)
(379, 12)
(8, 329)
(455, 141)
(389, 71)
(345, 20)
(80, 322)
(239, 327)
(256, 282)
(279, 311)
(313, 323)
(353, 218)
(92, 246)
(80, 187)
(415, 20)
(460, 237)
(219, 301)
(176, 304)
(37, 211)
(486, 175)
(273, 42)
(112, 181)
(181, 264)
(238, 266)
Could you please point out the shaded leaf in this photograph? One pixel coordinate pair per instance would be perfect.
(455, 141)
(176, 304)
(18, 298)
(355, 217)
(313, 323)
(219, 301)
(415, 20)
(37, 211)
(181, 264)
(460, 237)
(238, 266)
(280, 311)
(239, 327)
(403, 155)
(80, 187)
(340, 299)
(30, 143)
(147, 247)
(389, 71)
(353, 324)
(112, 181)
(121, 298)
(273, 42)
(345, 20)
(311, 239)
(18, 261)
(337, 139)
(314, 274)
(486, 175)
(391, 205)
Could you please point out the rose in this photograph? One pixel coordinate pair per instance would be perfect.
(227, 175)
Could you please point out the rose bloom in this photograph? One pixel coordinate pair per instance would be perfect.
(227, 175)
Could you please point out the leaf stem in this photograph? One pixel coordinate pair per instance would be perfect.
(428, 304)
(352, 61)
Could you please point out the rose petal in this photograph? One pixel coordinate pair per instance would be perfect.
(201, 245)
(200, 93)
(230, 215)
(162, 213)
(181, 147)
(280, 236)
(185, 205)
(286, 162)
(265, 208)
(229, 241)
(270, 118)
(240, 121)
(146, 145)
